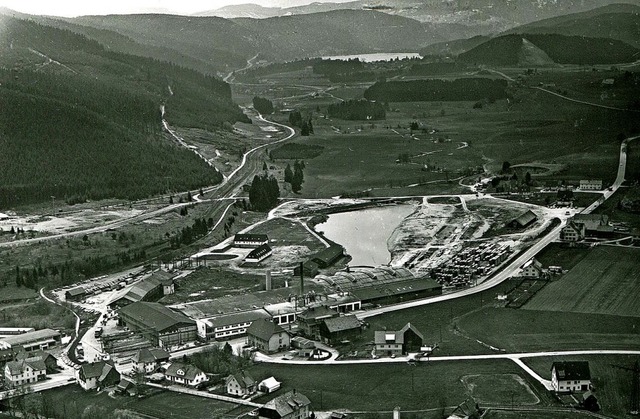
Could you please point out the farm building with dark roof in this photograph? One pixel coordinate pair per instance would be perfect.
(337, 329)
(250, 240)
(523, 220)
(259, 254)
(329, 256)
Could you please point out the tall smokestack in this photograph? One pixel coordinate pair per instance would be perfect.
(302, 280)
(267, 284)
(396, 412)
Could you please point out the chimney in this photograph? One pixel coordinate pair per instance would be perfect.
(267, 285)
(302, 278)
(396, 412)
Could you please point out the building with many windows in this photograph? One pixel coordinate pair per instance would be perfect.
(267, 336)
(570, 376)
(26, 371)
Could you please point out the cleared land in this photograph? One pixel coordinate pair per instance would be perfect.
(367, 387)
(517, 330)
(606, 281)
(495, 389)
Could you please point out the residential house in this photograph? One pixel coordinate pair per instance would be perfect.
(570, 376)
(240, 384)
(400, 342)
(291, 405)
(573, 232)
(337, 329)
(592, 222)
(532, 269)
(98, 375)
(147, 360)
(309, 320)
(269, 385)
(50, 361)
(185, 374)
(26, 371)
(268, 336)
(250, 240)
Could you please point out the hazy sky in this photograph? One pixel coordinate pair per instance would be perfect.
(71, 8)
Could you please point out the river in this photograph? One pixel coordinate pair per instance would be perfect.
(364, 233)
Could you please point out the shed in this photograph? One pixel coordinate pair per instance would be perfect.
(523, 220)
(269, 385)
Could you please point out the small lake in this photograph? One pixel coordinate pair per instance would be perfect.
(369, 58)
(364, 233)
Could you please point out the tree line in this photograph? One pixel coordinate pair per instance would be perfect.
(361, 109)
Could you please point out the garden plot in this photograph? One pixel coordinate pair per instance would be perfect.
(499, 389)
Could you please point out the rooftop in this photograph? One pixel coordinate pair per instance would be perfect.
(155, 315)
(264, 329)
(287, 403)
(184, 371)
(339, 324)
(396, 288)
(42, 334)
(572, 370)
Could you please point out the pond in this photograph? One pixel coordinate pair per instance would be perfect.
(364, 233)
(381, 56)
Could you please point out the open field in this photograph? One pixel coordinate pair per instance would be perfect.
(39, 315)
(9, 291)
(606, 281)
(496, 389)
(613, 384)
(559, 254)
(382, 387)
(518, 330)
(581, 139)
(74, 402)
(533, 414)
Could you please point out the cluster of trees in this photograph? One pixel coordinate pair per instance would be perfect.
(264, 192)
(356, 110)
(189, 234)
(328, 67)
(262, 105)
(220, 361)
(71, 271)
(429, 69)
(296, 176)
(437, 90)
(305, 124)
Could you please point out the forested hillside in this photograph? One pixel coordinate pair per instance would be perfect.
(507, 50)
(78, 122)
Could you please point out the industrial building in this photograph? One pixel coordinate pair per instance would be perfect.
(160, 325)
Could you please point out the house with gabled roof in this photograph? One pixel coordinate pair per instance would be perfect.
(309, 320)
(268, 336)
(259, 254)
(524, 220)
(50, 361)
(185, 374)
(532, 269)
(240, 384)
(250, 240)
(291, 405)
(25, 371)
(98, 375)
(338, 329)
(570, 376)
(147, 360)
(399, 342)
(573, 232)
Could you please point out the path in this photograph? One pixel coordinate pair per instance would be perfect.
(185, 390)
